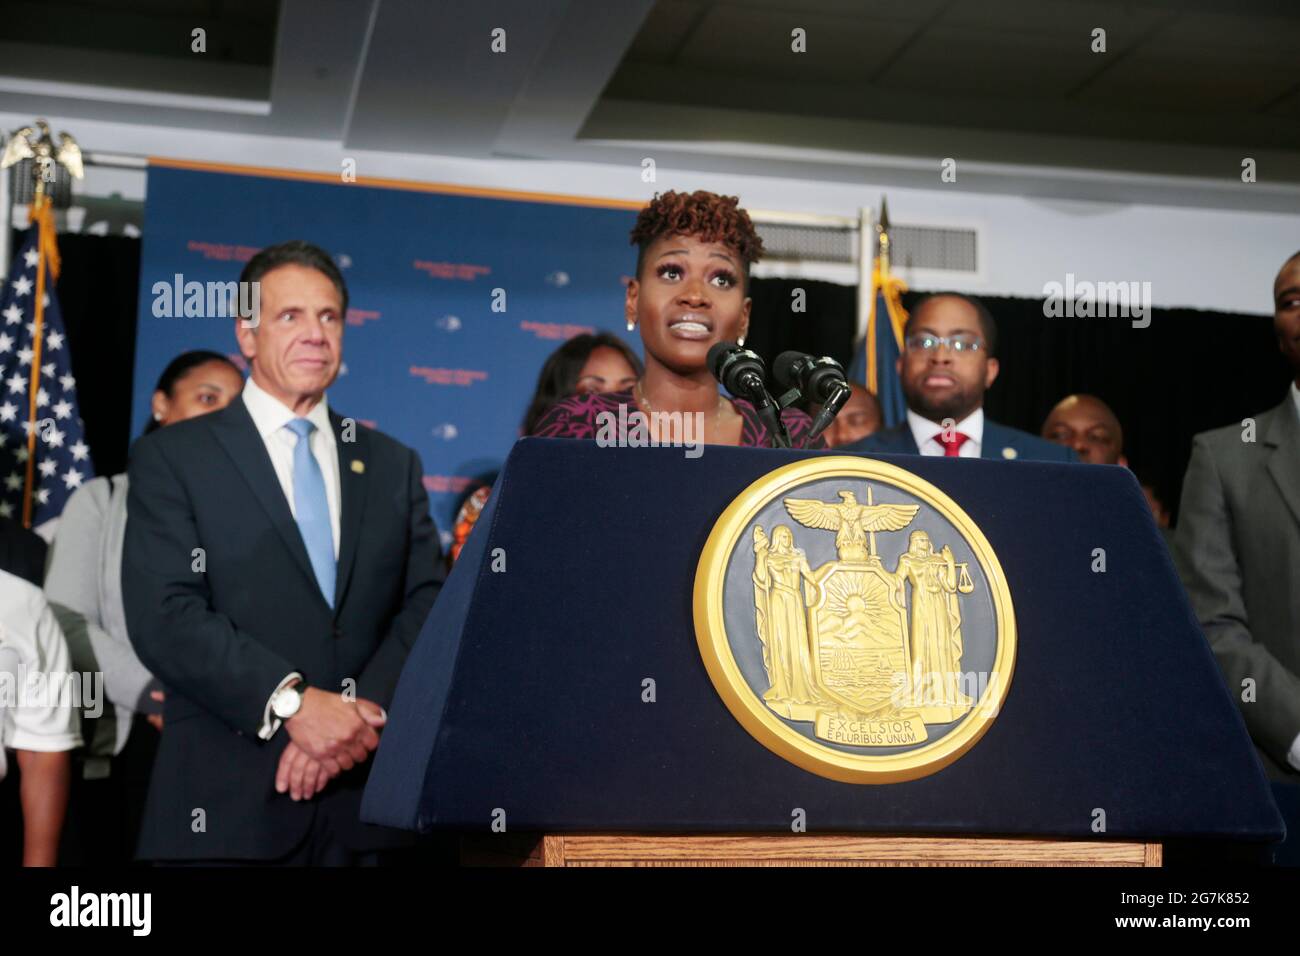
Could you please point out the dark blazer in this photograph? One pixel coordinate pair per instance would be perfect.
(22, 552)
(999, 443)
(221, 604)
(1237, 547)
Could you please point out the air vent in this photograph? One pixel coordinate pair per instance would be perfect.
(925, 247)
(808, 243)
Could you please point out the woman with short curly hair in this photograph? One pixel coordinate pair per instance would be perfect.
(690, 292)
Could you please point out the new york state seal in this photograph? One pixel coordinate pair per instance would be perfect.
(855, 620)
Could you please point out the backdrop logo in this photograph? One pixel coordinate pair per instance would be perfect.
(464, 271)
(221, 251)
(362, 316)
(449, 376)
(449, 323)
(447, 483)
(556, 331)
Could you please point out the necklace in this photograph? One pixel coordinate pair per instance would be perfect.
(644, 400)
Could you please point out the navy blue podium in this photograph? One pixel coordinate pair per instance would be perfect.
(521, 706)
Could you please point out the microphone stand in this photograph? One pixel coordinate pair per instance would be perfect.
(768, 409)
(830, 409)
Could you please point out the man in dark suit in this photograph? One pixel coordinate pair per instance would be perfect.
(1237, 548)
(278, 564)
(948, 362)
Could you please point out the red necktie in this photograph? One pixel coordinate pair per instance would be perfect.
(951, 442)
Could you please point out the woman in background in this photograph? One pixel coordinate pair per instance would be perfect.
(84, 588)
(690, 291)
(583, 365)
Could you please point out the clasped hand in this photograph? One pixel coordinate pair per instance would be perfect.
(328, 735)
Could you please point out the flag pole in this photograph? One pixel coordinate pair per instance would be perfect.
(866, 256)
(38, 217)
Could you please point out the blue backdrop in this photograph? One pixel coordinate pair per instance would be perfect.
(425, 357)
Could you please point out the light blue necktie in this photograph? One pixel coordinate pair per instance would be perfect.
(312, 508)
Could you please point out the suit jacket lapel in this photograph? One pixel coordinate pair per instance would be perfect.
(352, 456)
(896, 440)
(993, 442)
(238, 435)
(1283, 438)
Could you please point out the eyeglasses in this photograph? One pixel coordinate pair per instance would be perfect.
(961, 343)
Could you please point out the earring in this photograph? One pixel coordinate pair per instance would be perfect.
(157, 417)
(740, 341)
(631, 325)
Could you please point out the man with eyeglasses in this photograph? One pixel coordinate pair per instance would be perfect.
(947, 364)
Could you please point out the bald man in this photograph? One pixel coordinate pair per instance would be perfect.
(859, 418)
(1086, 424)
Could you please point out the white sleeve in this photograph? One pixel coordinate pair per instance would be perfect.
(47, 716)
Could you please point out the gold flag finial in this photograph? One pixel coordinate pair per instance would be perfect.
(882, 235)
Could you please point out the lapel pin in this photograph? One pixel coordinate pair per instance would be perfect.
(358, 466)
(1007, 452)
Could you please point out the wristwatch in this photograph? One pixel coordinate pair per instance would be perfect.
(287, 701)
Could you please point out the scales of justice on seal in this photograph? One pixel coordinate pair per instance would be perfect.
(855, 620)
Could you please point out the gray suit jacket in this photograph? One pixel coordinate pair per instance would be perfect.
(1237, 547)
(84, 588)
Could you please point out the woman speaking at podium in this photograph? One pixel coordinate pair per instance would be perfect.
(690, 292)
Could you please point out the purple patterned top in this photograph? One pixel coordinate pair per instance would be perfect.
(575, 417)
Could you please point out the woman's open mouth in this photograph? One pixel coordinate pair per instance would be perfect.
(691, 326)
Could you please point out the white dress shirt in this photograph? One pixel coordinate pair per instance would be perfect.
(271, 417)
(926, 432)
(33, 715)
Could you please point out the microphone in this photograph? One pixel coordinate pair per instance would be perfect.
(821, 380)
(739, 370)
(816, 378)
(741, 373)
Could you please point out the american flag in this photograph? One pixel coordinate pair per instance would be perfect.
(62, 456)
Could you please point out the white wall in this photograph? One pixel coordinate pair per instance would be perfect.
(1197, 258)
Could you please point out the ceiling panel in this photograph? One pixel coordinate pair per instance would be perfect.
(944, 60)
(758, 42)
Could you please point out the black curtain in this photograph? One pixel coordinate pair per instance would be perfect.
(1188, 371)
(826, 326)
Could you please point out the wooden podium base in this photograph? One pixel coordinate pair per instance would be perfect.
(596, 849)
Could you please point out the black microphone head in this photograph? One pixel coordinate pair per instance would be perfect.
(821, 379)
(783, 369)
(718, 353)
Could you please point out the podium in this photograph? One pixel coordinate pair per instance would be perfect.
(522, 720)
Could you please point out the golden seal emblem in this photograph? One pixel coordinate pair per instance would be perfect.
(855, 620)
